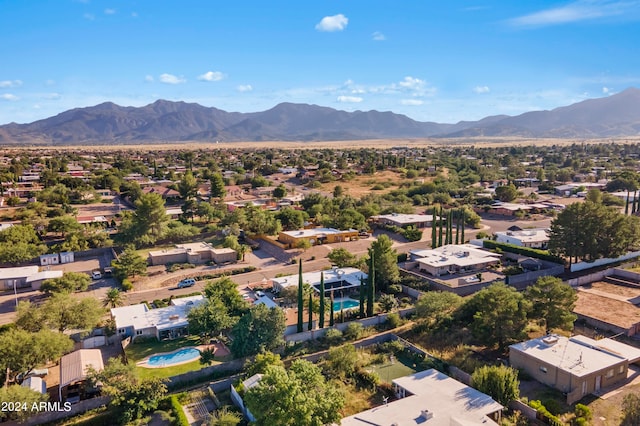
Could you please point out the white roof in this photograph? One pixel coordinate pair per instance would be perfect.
(315, 232)
(140, 317)
(405, 218)
(199, 246)
(265, 300)
(36, 384)
(454, 254)
(20, 272)
(449, 401)
(350, 277)
(252, 381)
(631, 353)
(536, 235)
(517, 206)
(570, 355)
(44, 275)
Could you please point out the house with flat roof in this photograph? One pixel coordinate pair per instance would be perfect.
(534, 238)
(36, 280)
(453, 259)
(432, 398)
(316, 236)
(11, 278)
(194, 253)
(403, 220)
(162, 323)
(576, 366)
(335, 279)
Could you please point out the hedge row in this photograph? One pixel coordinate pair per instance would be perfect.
(525, 251)
(176, 407)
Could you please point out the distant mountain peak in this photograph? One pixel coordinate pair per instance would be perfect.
(164, 120)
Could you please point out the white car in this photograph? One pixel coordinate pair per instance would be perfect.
(259, 293)
(96, 275)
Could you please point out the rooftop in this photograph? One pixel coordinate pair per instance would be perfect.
(140, 317)
(19, 272)
(568, 354)
(44, 275)
(405, 218)
(453, 254)
(315, 232)
(437, 400)
(528, 235)
(348, 277)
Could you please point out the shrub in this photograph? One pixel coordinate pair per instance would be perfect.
(353, 331)
(394, 320)
(584, 412)
(365, 379)
(402, 257)
(127, 285)
(176, 407)
(333, 336)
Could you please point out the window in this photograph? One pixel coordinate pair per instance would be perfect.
(121, 331)
(609, 373)
(138, 332)
(621, 369)
(543, 369)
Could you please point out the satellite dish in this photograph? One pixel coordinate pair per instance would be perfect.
(340, 272)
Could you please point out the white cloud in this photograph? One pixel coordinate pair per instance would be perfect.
(580, 10)
(412, 83)
(211, 76)
(9, 97)
(109, 11)
(481, 89)
(333, 23)
(607, 91)
(244, 88)
(378, 36)
(52, 96)
(89, 16)
(149, 78)
(349, 99)
(10, 83)
(171, 79)
(411, 102)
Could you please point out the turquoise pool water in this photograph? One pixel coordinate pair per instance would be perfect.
(345, 304)
(183, 355)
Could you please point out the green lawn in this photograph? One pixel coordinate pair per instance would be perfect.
(139, 351)
(388, 371)
(163, 373)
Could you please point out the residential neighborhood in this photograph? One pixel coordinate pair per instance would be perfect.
(399, 284)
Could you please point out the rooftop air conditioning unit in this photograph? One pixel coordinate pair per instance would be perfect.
(550, 340)
(174, 317)
(426, 414)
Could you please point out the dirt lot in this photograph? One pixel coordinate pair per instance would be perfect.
(620, 313)
(362, 184)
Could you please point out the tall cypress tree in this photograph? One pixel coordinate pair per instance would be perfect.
(626, 206)
(371, 286)
(331, 319)
(321, 319)
(362, 290)
(633, 203)
(450, 227)
(464, 217)
(300, 299)
(440, 222)
(310, 324)
(458, 228)
(434, 231)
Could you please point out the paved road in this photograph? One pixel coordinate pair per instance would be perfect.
(268, 268)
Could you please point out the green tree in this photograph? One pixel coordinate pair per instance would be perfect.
(26, 397)
(341, 257)
(321, 313)
(387, 303)
(224, 417)
(299, 396)
(148, 223)
(507, 193)
(129, 264)
(371, 285)
(501, 315)
(226, 291)
(300, 297)
(385, 260)
(499, 382)
(113, 298)
(131, 396)
(437, 306)
(260, 363)
(342, 361)
(217, 186)
(63, 225)
(20, 243)
(553, 303)
(209, 318)
(291, 219)
(188, 186)
(67, 283)
(260, 329)
(63, 312)
(21, 351)
(279, 191)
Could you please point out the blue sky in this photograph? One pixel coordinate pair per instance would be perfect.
(431, 60)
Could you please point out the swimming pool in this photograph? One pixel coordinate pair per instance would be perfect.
(344, 304)
(178, 357)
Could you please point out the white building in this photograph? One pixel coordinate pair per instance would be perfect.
(404, 220)
(533, 238)
(334, 279)
(162, 323)
(453, 259)
(431, 398)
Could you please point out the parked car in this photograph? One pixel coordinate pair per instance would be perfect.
(187, 282)
(96, 275)
(259, 293)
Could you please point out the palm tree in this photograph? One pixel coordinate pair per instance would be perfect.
(113, 298)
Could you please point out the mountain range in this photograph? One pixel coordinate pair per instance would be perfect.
(617, 115)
